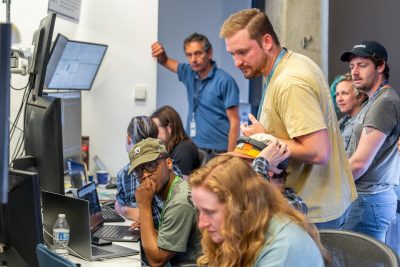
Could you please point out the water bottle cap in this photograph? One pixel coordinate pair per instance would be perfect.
(61, 216)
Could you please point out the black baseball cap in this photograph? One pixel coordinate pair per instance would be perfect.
(366, 49)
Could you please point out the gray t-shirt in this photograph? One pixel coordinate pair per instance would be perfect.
(383, 114)
(178, 230)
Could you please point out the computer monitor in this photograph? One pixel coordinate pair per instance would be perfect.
(43, 140)
(21, 227)
(5, 47)
(42, 43)
(71, 118)
(73, 65)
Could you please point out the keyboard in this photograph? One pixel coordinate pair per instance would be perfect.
(98, 251)
(109, 215)
(118, 233)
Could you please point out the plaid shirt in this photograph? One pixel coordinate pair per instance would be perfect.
(126, 187)
(261, 166)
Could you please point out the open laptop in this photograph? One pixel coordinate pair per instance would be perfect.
(77, 215)
(89, 193)
(77, 172)
(117, 233)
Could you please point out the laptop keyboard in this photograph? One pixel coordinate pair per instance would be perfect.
(117, 232)
(109, 215)
(99, 252)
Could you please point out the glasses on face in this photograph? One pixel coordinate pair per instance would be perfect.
(149, 167)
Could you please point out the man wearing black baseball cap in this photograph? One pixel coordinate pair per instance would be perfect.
(374, 157)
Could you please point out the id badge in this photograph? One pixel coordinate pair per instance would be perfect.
(192, 128)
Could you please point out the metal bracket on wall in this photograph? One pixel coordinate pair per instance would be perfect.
(305, 41)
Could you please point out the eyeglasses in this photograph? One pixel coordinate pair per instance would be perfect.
(149, 167)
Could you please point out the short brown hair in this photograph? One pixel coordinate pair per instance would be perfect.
(255, 21)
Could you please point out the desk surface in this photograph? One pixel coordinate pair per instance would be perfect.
(131, 261)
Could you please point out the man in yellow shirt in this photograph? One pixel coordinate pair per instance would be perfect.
(296, 108)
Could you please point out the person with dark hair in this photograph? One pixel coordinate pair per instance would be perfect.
(349, 101)
(213, 95)
(177, 239)
(296, 108)
(179, 146)
(245, 221)
(375, 162)
(139, 128)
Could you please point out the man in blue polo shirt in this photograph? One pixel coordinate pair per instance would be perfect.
(213, 95)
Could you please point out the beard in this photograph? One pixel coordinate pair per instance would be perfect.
(251, 72)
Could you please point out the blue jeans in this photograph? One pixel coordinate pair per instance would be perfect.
(371, 214)
(334, 224)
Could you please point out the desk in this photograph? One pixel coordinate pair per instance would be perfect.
(131, 261)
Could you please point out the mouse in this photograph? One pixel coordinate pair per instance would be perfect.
(111, 186)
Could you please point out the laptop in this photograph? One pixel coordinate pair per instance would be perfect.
(89, 193)
(77, 214)
(77, 172)
(117, 233)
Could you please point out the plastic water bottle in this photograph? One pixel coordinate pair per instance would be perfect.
(61, 236)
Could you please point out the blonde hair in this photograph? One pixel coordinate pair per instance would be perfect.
(255, 21)
(250, 203)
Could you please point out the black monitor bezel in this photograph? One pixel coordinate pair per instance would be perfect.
(42, 39)
(21, 220)
(43, 140)
(53, 57)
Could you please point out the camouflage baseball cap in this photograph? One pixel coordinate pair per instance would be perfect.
(145, 151)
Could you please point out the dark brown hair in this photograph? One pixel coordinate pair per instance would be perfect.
(168, 116)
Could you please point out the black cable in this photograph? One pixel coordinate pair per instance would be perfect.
(19, 89)
(20, 144)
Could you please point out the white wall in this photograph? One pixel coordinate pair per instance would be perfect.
(128, 27)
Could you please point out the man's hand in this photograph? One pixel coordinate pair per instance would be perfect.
(158, 52)
(145, 192)
(255, 127)
(275, 153)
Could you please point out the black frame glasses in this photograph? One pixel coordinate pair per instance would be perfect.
(149, 166)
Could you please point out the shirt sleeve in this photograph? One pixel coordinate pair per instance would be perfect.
(378, 118)
(176, 228)
(299, 107)
(230, 93)
(120, 189)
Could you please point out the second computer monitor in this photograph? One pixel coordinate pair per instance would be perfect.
(73, 65)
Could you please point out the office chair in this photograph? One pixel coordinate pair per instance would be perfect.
(350, 249)
(202, 157)
(47, 258)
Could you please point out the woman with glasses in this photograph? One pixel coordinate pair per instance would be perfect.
(179, 146)
(245, 221)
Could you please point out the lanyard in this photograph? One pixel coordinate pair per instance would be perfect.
(199, 86)
(170, 190)
(278, 59)
(383, 83)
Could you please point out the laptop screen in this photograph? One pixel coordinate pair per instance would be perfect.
(89, 193)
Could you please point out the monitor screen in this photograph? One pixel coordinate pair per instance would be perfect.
(42, 43)
(73, 65)
(21, 220)
(43, 140)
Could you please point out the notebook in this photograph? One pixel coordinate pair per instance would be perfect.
(89, 193)
(77, 215)
(116, 233)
